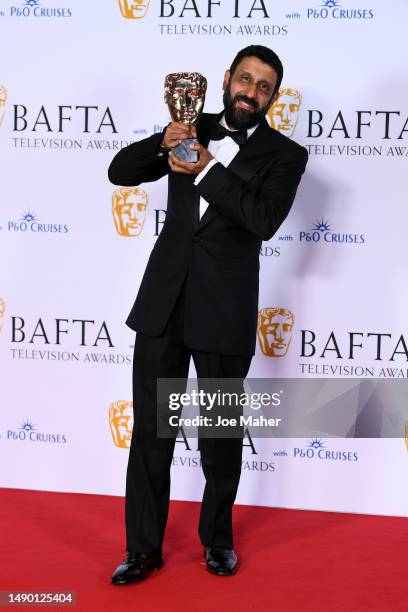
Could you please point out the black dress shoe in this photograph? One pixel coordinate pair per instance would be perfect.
(221, 561)
(136, 566)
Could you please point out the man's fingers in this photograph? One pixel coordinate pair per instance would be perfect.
(179, 130)
(179, 166)
(174, 143)
(176, 133)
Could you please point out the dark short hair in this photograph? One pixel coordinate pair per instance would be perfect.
(266, 55)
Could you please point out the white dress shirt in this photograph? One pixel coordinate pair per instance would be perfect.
(223, 151)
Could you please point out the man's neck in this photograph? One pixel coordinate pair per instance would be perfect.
(249, 131)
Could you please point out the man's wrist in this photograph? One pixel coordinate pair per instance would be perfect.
(162, 149)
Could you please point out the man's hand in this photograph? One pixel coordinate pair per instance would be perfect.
(176, 132)
(204, 156)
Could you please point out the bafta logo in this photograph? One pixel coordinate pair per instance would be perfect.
(133, 9)
(129, 206)
(406, 435)
(275, 327)
(121, 422)
(3, 100)
(284, 113)
(2, 312)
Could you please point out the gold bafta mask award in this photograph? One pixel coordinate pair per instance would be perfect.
(284, 112)
(129, 206)
(133, 9)
(3, 100)
(2, 312)
(275, 327)
(121, 422)
(184, 94)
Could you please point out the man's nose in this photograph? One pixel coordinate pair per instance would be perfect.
(251, 91)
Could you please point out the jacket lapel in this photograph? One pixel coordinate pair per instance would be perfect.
(251, 156)
(247, 161)
(204, 127)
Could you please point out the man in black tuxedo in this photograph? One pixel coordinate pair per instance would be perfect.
(199, 294)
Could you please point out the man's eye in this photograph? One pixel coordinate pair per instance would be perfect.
(244, 77)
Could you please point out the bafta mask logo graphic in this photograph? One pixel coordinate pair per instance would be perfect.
(2, 312)
(284, 113)
(3, 100)
(129, 205)
(121, 422)
(275, 327)
(184, 94)
(133, 9)
(406, 435)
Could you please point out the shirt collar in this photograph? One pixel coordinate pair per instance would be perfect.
(249, 131)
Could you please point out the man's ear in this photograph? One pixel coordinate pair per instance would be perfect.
(227, 77)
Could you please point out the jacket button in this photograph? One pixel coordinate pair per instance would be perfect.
(196, 239)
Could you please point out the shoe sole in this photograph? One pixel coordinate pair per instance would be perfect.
(152, 568)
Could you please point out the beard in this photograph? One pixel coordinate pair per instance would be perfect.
(239, 118)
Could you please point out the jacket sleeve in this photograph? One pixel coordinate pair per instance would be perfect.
(140, 162)
(260, 211)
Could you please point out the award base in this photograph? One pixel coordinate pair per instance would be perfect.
(183, 151)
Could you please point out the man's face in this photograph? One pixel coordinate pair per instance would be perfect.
(248, 93)
(185, 97)
(284, 113)
(129, 210)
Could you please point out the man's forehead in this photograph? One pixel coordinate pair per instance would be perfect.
(258, 68)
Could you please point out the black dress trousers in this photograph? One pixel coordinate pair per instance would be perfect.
(148, 472)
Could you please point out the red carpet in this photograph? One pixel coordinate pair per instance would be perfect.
(291, 560)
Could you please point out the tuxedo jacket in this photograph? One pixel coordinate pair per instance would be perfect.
(217, 256)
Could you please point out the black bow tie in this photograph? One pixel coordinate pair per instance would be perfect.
(219, 132)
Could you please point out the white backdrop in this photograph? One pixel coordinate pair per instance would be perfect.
(78, 81)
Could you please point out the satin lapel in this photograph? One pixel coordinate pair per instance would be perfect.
(247, 161)
(203, 134)
(251, 156)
